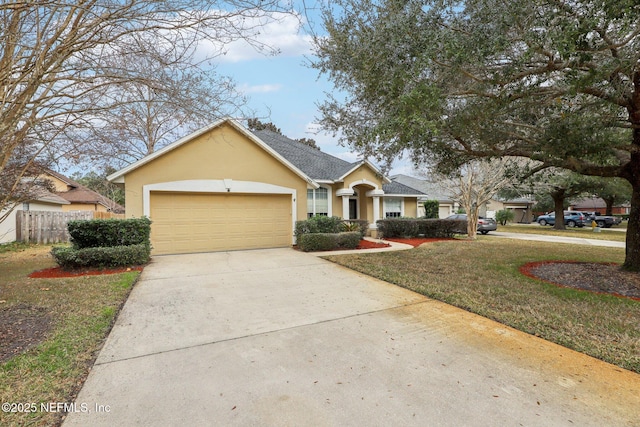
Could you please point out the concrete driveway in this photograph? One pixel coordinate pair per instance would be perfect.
(282, 338)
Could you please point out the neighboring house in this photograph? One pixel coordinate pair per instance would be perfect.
(224, 187)
(598, 204)
(521, 207)
(430, 191)
(41, 201)
(80, 198)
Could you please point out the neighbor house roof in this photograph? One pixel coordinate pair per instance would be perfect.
(78, 193)
(429, 189)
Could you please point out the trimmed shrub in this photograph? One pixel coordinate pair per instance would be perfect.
(359, 225)
(113, 256)
(109, 232)
(348, 240)
(310, 242)
(504, 216)
(408, 227)
(431, 208)
(318, 224)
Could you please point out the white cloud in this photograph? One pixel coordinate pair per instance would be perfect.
(265, 88)
(279, 32)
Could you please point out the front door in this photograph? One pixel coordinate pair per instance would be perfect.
(353, 208)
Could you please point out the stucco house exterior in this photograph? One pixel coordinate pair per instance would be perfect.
(225, 187)
(80, 198)
(431, 191)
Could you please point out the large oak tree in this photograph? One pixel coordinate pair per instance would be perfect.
(556, 81)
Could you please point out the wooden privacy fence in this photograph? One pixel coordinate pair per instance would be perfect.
(43, 227)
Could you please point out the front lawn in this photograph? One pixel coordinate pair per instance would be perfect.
(50, 332)
(483, 277)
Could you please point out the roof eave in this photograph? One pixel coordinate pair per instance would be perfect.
(118, 177)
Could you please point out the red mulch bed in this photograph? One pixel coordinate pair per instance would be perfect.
(417, 241)
(367, 244)
(599, 278)
(58, 272)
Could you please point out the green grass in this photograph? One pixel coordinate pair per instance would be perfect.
(82, 311)
(584, 233)
(483, 277)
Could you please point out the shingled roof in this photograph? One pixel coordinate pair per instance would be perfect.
(78, 193)
(313, 162)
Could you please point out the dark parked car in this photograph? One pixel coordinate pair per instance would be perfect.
(571, 219)
(603, 221)
(485, 225)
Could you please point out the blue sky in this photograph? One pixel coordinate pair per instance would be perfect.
(283, 89)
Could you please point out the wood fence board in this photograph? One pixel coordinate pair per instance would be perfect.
(44, 227)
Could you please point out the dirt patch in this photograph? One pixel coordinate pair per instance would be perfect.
(58, 272)
(21, 328)
(589, 276)
(417, 241)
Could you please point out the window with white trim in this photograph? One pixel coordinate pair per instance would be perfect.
(317, 202)
(392, 207)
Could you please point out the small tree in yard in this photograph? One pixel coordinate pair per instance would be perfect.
(474, 185)
(431, 208)
(504, 216)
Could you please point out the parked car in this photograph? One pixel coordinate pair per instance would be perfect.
(603, 221)
(485, 225)
(571, 219)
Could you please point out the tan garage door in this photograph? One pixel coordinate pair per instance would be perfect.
(197, 222)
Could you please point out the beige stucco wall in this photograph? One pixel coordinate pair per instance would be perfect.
(97, 207)
(364, 172)
(58, 184)
(410, 207)
(222, 153)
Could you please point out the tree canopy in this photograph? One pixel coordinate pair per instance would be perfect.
(554, 81)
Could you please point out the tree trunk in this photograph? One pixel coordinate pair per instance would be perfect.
(632, 174)
(632, 253)
(472, 222)
(609, 203)
(558, 207)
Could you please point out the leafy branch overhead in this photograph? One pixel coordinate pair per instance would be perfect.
(447, 81)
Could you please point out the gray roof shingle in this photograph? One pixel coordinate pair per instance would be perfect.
(313, 162)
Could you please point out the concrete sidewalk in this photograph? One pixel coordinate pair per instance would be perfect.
(558, 239)
(282, 338)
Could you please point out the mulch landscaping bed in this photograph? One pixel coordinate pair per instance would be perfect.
(58, 272)
(589, 276)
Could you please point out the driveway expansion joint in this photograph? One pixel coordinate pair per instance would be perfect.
(289, 328)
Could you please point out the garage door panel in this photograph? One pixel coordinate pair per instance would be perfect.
(196, 222)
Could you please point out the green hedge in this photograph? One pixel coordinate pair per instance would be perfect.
(319, 224)
(310, 242)
(114, 256)
(109, 232)
(410, 227)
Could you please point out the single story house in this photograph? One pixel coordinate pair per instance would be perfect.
(80, 198)
(521, 207)
(431, 191)
(224, 187)
(598, 204)
(42, 200)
